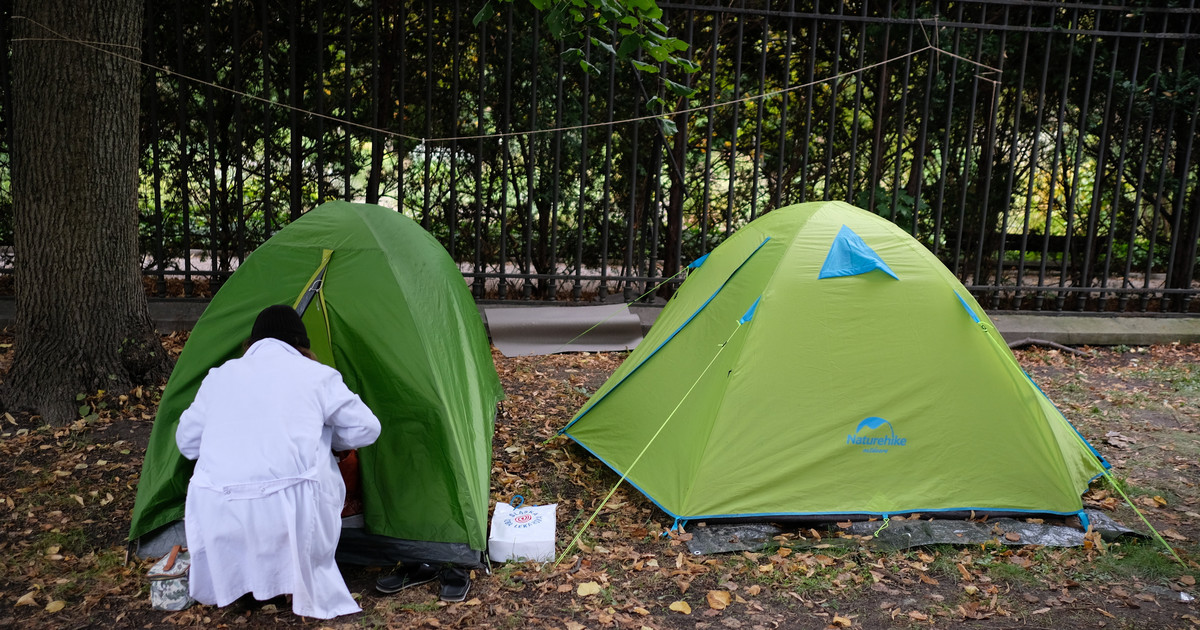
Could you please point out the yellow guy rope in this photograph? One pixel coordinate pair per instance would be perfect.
(615, 313)
(575, 540)
(988, 330)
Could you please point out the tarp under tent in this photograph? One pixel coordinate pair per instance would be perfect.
(386, 306)
(821, 363)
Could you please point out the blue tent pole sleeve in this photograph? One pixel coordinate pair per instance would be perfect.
(1084, 522)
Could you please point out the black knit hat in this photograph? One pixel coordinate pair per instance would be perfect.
(280, 322)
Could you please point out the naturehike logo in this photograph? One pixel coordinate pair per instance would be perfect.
(522, 520)
(875, 443)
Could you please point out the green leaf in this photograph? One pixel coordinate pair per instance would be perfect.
(655, 103)
(85, 410)
(660, 53)
(668, 126)
(599, 44)
(628, 46)
(485, 14)
(679, 89)
(80, 396)
(644, 67)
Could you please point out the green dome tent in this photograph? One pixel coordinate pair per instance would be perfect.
(386, 306)
(822, 363)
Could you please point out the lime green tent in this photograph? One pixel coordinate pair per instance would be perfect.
(387, 307)
(821, 362)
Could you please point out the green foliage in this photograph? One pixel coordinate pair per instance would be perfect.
(630, 26)
(956, 146)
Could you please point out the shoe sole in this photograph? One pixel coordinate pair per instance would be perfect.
(458, 598)
(389, 591)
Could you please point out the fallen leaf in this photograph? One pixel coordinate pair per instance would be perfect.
(718, 600)
(1012, 537)
(474, 601)
(840, 622)
(575, 625)
(55, 606)
(1173, 535)
(641, 611)
(1187, 580)
(1117, 440)
(918, 615)
(1040, 611)
(966, 575)
(27, 599)
(754, 589)
(588, 588)
(681, 607)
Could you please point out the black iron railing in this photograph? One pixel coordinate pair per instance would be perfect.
(1047, 152)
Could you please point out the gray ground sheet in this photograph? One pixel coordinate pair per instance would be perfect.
(534, 330)
(902, 534)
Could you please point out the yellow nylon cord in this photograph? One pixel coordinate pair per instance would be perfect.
(637, 459)
(988, 330)
(615, 313)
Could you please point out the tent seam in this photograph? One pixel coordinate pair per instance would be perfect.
(737, 357)
(592, 405)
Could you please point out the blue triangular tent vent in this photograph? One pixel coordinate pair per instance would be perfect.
(850, 256)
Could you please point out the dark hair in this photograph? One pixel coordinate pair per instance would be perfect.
(280, 322)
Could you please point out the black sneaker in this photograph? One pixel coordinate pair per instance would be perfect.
(406, 576)
(456, 583)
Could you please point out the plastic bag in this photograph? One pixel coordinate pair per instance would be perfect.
(169, 581)
(522, 532)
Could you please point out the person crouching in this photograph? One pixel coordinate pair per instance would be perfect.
(264, 502)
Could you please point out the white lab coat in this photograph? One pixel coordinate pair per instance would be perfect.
(264, 503)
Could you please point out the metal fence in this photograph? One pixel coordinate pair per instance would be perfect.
(1045, 151)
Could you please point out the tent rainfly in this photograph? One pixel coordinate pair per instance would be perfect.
(387, 307)
(821, 363)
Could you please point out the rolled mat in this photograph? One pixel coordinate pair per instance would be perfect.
(539, 330)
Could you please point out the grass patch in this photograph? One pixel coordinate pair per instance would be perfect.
(1011, 573)
(1183, 378)
(1145, 560)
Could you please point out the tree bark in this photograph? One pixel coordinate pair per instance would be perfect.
(82, 321)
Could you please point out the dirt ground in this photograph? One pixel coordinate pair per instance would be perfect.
(66, 496)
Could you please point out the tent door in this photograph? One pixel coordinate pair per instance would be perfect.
(310, 304)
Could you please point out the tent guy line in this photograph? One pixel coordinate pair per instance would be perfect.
(101, 47)
(720, 348)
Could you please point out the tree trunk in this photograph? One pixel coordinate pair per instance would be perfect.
(81, 315)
